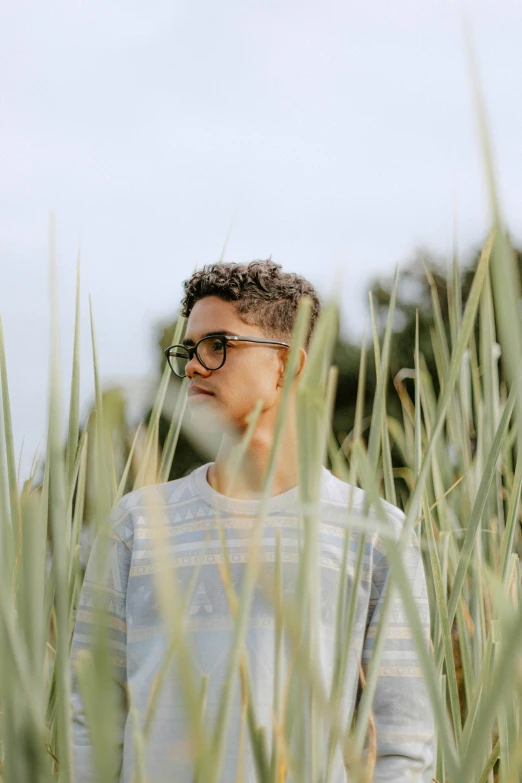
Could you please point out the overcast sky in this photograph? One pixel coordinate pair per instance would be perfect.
(329, 135)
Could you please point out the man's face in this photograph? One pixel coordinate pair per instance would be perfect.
(251, 371)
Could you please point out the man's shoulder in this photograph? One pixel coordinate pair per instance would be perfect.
(340, 494)
(152, 497)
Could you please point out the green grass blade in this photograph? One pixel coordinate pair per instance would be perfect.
(504, 273)
(150, 450)
(468, 321)
(512, 520)
(298, 339)
(171, 441)
(478, 507)
(375, 336)
(60, 536)
(74, 405)
(440, 329)
(499, 682)
(445, 627)
(77, 514)
(106, 473)
(399, 579)
(490, 763)
(14, 502)
(379, 404)
(120, 491)
(7, 534)
(418, 410)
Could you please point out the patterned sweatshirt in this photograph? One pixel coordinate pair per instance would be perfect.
(190, 511)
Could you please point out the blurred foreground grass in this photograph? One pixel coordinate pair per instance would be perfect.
(460, 439)
(463, 473)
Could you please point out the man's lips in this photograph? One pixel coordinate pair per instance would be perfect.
(196, 391)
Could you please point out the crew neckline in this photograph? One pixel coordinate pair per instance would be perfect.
(280, 502)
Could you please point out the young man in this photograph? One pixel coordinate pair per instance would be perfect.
(240, 321)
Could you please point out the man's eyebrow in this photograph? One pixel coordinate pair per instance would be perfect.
(218, 332)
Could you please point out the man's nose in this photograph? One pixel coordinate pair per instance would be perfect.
(194, 367)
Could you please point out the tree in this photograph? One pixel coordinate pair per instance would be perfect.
(423, 288)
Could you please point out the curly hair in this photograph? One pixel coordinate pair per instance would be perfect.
(263, 294)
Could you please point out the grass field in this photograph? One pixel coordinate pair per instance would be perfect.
(461, 483)
(463, 478)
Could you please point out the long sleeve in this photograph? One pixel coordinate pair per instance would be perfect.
(104, 587)
(401, 707)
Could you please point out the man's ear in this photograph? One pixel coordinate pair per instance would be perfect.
(300, 368)
(302, 363)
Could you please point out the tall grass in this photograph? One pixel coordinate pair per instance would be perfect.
(461, 488)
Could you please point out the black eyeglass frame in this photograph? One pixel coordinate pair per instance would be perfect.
(224, 338)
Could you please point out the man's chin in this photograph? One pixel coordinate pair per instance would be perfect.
(202, 405)
(197, 399)
(205, 411)
(205, 424)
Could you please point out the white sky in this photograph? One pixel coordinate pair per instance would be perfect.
(340, 135)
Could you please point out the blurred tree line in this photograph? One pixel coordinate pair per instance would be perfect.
(421, 282)
(419, 279)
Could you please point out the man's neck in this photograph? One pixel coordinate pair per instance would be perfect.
(249, 479)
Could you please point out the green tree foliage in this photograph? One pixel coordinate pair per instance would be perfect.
(421, 280)
(423, 287)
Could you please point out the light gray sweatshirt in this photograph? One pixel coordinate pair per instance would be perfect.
(189, 509)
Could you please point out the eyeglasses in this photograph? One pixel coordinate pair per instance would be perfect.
(210, 351)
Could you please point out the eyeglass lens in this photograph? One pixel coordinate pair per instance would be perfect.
(210, 352)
